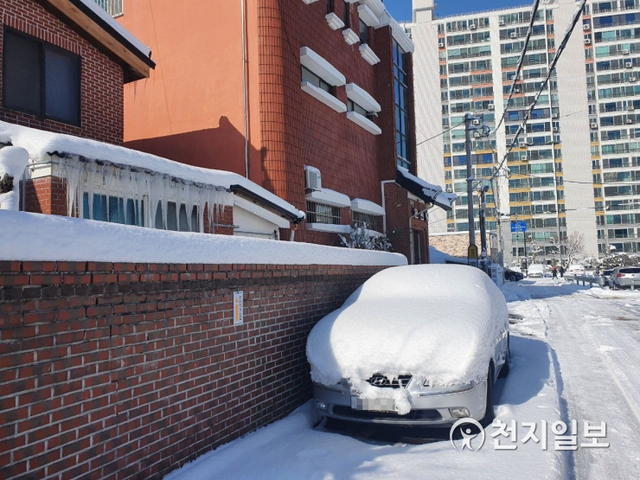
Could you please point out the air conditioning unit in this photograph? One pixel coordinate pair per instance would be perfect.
(476, 122)
(491, 106)
(501, 23)
(477, 134)
(586, 27)
(441, 44)
(625, 52)
(473, 26)
(594, 125)
(449, 189)
(633, 79)
(628, 64)
(313, 178)
(528, 141)
(517, 90)
(522, 143)
(587, 41)
(555, 129)
(513, 35)
(524, 158)
(629, 121)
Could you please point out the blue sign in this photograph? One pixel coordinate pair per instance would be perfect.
(518, 226)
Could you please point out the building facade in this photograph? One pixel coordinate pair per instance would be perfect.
(313, 100)
(573, 170)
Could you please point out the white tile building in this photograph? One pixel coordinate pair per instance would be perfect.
(575, 169)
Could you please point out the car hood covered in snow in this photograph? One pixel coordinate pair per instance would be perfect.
(437, 322)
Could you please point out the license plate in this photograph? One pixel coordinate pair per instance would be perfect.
(373, 404)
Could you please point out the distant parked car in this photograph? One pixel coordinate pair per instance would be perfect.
(624, 277)
(575, 270)
(414, 345)
(535, 270)
(606, 275)
(512, 275)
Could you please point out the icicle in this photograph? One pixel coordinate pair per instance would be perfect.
(73, 176)
(166, 193)
(155, 194)
(91, 168)
(126, 193)
(202, 202)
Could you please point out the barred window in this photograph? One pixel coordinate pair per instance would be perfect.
(321, 213)
(364, 220)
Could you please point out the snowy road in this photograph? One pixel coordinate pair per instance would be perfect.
(575, 356)
(595, 335)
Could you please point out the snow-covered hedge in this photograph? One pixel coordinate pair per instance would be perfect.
(30, 236)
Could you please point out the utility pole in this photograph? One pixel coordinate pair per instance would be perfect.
(483, 222)
(467, 131)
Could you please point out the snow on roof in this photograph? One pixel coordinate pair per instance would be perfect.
(426, 191)
(436, 322)
(108, 19)
(36, 237)
(41, 145)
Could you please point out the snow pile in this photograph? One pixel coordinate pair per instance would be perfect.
(41, 145)
(30, 236)
(436, 256)
(436, 322)
(13, 161)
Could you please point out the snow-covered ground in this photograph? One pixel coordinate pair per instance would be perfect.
(575, 356)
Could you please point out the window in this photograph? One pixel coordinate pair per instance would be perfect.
(403, 118)
(354, 107)
(364, 32)
(364, 220)
(329, 6)
(111, 209)
(321, 213)
(177, 220)
(315, 80)
(40, 79)
(346, 14)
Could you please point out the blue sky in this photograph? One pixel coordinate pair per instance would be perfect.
(401, 9)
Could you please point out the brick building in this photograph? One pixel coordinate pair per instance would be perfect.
(312, 100)
(64, 64)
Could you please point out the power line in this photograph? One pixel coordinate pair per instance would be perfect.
(440, 134)
(552, 66)
(534, 12)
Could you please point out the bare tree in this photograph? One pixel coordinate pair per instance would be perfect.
(573, 246)
(535, 250)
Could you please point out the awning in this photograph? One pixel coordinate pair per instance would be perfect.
(291, 214)
(425, 191)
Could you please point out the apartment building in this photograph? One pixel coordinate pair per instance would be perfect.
(574, 170)
(313, 100)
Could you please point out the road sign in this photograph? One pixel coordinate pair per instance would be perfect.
(518, 226)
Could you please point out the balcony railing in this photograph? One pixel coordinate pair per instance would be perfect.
(112, 7)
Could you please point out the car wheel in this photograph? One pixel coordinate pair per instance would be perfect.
(506, 368)
(489, 415)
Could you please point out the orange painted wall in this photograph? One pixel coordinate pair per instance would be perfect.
(195, 91)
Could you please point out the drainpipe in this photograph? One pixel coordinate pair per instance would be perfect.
(244, 90)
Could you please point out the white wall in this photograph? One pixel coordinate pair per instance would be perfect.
(574, 130)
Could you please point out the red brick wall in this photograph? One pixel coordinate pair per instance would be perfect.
(102, 79)
(131, 370)
(45, 195)
(299, 130)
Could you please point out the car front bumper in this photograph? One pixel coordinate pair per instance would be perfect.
(427, 409)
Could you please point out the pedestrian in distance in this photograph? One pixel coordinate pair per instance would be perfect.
(561, 269)
(554, 272)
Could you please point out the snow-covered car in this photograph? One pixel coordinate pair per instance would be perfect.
(535, 270)
(624, 277)
(575, 270)
(414, 345)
